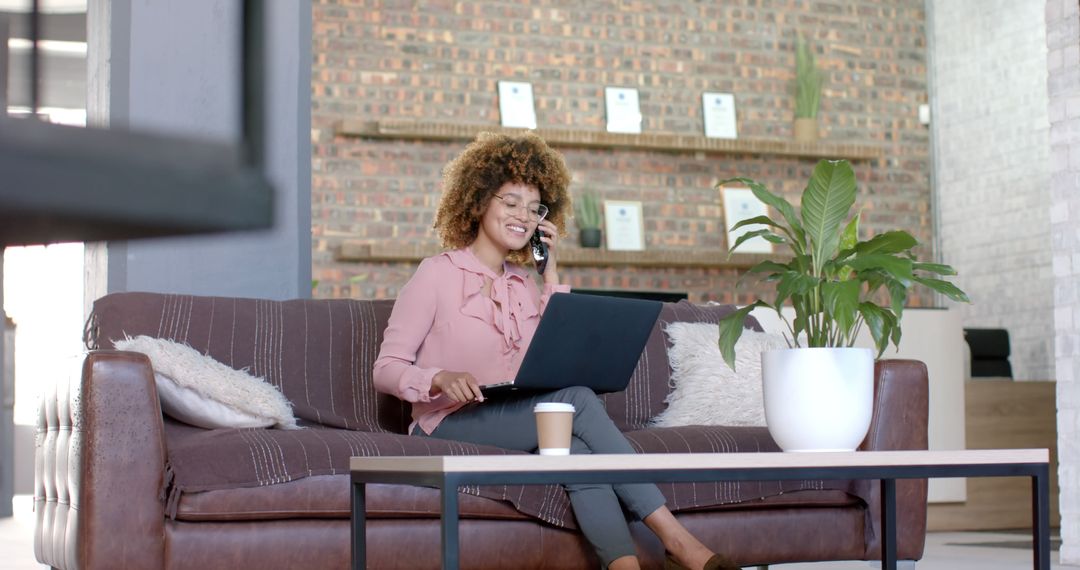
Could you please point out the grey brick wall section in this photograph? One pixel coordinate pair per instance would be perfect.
(1063, 63)
(992, 168)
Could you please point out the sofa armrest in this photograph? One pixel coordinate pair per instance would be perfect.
(901, 414)
(901, 407)
(100, 468)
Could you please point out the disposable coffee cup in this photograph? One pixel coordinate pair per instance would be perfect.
(554, 422)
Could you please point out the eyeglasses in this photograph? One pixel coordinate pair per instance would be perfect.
(536, 212)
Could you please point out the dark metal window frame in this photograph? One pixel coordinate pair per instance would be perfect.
(89, 184)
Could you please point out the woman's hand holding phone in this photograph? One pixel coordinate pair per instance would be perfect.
(539, 251)
(549, 236)
(458, 386)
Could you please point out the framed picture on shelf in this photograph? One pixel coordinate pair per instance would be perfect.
(516, 104)
(623, 111)
(623, 226)
(719, 112)
(741, 204)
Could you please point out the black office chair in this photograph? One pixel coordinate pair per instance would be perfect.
(989, 352)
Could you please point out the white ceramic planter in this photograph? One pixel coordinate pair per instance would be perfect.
(818, 399)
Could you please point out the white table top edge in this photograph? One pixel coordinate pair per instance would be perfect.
(645, 461)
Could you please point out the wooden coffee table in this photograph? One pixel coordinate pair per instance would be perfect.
(450, 472)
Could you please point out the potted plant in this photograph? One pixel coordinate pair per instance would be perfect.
(808, 80)
(822, 387)
(587, 217)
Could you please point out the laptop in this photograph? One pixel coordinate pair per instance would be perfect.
(583, 340)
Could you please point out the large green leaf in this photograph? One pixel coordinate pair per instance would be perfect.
(768, 266)
(842, 302)
(780, 205)
(938, 268)
(897, 268)
(801, 323)
(888, 242)
(800, 263)
(850, 237)
(945, 288)
(767, 234)
(763, 220)
(897, 298)
(825, 203)
(874, 280)
(731, 328)
(794, 283)
(837, 269)
(773, 269)
(880, 322)
(839, 259)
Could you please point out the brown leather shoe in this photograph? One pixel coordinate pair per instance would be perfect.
(716, 562)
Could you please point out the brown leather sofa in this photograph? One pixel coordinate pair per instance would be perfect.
(119, 486)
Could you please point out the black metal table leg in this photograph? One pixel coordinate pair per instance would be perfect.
(450, 522)
(1040, 512)
(888, 524)
(359, 527)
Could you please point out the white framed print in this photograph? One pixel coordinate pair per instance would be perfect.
(623, 226)
(741, 204)
(719, 112)
(623, 110)
(516, 109)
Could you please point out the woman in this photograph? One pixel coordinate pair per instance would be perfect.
(466, 317)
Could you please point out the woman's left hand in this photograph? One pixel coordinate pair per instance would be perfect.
(550, 236)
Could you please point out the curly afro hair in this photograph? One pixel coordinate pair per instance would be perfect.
(471, 179)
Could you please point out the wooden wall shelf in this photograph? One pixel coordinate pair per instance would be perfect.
(445, 131)
(569, 256)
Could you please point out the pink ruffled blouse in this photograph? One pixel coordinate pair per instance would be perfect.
(443, 321)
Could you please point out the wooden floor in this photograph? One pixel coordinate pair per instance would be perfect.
(1003, 414)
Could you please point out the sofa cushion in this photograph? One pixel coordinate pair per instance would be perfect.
(319, 353)
(245, 458)
(201, 391)
(706, 391)
(643, 399)
(327, 496)
(207, 460)
(718, 439)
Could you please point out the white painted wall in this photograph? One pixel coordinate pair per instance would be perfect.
(1063, 63)
(991, 168)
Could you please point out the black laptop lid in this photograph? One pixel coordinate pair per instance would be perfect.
(587, 340)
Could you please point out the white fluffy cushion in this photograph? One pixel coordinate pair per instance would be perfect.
(705, 390)
(201, 391)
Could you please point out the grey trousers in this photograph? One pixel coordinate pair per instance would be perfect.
(509, 423)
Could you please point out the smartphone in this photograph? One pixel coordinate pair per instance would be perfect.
(539, 251)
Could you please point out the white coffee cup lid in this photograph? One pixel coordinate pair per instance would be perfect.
(553, 407)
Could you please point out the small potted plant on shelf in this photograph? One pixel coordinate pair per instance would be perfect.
(819, 393)
(587, 217)
(808, 80)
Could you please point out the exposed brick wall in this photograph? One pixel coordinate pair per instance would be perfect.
(442, 60)
(1063, 85)
(993, 168)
